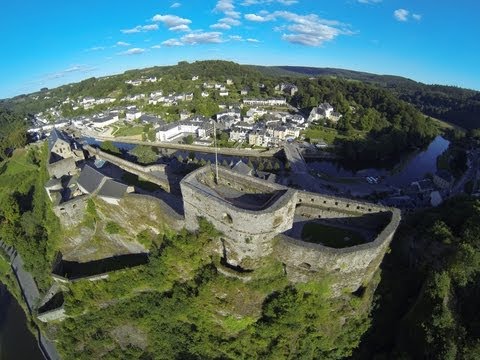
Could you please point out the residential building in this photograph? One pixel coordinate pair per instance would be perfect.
(265, 102)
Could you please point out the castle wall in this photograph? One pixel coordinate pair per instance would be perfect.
(247, 234)
(62, 167)
(145, 172)
(250, 235)
(71, 213)
(348, 268)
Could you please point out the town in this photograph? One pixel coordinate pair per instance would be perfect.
(247, 127)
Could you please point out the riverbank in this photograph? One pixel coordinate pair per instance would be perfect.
(16, 338)
(23, 287)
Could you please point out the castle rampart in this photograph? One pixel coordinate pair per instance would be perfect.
(248, 232)
(152, 173)
(257, 219)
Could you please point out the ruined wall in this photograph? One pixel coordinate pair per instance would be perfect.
(71, 213)
(248, 234)
(62, 167)
(145, 172)
(347, 268)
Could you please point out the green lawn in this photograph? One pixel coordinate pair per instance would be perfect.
(330, 236)
(128, 131)
(329, 135)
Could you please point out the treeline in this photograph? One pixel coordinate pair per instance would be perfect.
(26, 219)
(448, 103)
(428, 297)
(12, 132)
(393, 126)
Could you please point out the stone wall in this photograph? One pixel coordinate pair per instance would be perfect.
(152, 173)
(347, 268)
(71, 213)
(247, 234)
(250, 235)
(62, 167)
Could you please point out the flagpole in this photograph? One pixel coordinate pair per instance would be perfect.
(216, 151)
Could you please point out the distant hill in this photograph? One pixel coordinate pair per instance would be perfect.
(449, 103)
(452, 104)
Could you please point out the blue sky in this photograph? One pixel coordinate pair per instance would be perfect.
(50, 43)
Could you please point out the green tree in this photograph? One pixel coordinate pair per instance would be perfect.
(109, 147)
(144, 154)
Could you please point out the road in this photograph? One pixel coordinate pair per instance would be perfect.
(468, 175)
(196, 148)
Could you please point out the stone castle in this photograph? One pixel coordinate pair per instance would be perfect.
(259, 218)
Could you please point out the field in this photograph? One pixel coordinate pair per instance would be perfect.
(329, 135)
(334, 237)
(126, 130)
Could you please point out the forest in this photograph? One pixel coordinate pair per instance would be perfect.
(448, 103)
(427, 300)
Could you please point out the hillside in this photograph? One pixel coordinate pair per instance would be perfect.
(448, 103)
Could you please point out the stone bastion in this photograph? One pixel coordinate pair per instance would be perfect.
(259, 218)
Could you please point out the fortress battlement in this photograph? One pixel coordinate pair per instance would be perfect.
(259, 218)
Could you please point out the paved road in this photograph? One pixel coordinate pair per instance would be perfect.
(198, 148)
(468, 175)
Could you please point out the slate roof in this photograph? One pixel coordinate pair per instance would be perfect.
(112, 189)
(53, 183)
(90, 179)
(241, 168)
(55, 135)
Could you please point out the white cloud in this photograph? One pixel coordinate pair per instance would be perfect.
(228, 8)
(180, 28)
(225, 23)
(202, 38)
(253, 40)
(221, 26)
(133, 51)
(175, 5)
(230, 21)
(96, 48)
(417, 17)
(310, 30)
(140, 28)
(171, 21)
(172, 42)
(122, 43)
(256, 18)
(70, 70)
(236, 37)
(156, 47)
(401, 14)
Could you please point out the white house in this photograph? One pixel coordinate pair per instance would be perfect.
(265, 102)
(133, 114)
(238, 134)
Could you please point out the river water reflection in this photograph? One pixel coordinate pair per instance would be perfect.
(16, 341)
(413, 167)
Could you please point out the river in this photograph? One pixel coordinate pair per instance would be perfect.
(411, 168)
(16, 341)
